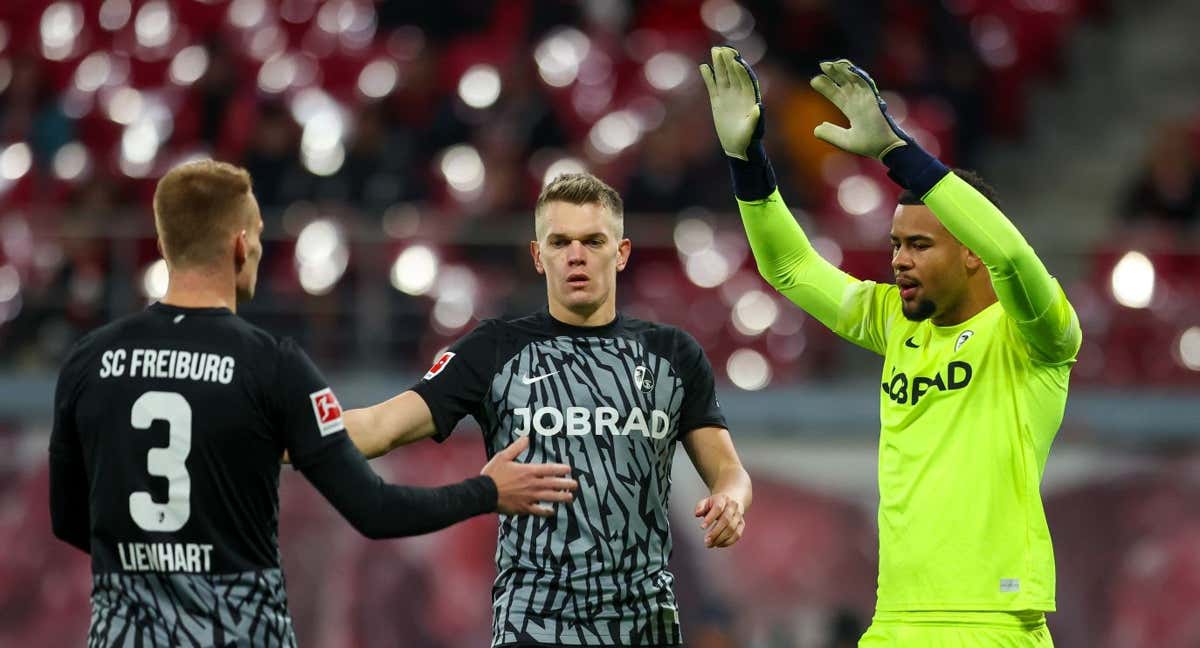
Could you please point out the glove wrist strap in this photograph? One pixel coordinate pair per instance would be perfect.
(911, 167)
(753, 178)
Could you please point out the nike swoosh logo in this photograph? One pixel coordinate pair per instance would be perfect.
(526, 380)
(910, 344)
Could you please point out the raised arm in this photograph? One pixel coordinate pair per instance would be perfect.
(1029, 294)
(1026, 290)
(785, 257)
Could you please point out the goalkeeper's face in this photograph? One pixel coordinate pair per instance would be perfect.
(580, 252)
(933, 269)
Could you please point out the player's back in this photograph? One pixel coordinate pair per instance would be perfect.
(174, 413)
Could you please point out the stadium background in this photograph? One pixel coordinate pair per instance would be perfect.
(397, 149)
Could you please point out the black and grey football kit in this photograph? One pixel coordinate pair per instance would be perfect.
(164, 465)
(611, 401)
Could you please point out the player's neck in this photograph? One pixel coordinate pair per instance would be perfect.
(599, 316)
(971, 305)
(200, 289)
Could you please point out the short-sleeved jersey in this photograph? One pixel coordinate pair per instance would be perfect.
(179, 417)
(611, 401)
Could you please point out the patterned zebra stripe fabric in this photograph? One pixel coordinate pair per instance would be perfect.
(163, 609)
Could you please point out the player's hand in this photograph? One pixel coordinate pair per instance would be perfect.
(736, 102)
(523, 488)
(723, 518)
(872, 132)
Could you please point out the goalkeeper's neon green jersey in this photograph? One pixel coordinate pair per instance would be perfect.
(967, 412)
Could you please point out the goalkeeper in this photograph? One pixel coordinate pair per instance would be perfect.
(977, 339)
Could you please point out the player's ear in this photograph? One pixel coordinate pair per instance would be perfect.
(971, 260)
(624, 248)
(536, 253)
(241, 249)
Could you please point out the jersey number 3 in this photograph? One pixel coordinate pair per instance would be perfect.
(167, 462)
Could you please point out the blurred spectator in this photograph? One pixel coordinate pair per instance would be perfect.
(381, 166)
(1166, 193)
(273, 158)
(80, 289)
(676, 170)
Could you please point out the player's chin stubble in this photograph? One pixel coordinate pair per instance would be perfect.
(923, 311)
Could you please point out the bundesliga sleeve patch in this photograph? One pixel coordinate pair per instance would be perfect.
(440, 364)
(327, 410)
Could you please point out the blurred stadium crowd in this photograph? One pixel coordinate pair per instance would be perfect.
(407, 141)
(397, 149)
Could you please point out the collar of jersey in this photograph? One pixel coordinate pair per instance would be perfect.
(182, 310)
(562, 328)
(954, 329)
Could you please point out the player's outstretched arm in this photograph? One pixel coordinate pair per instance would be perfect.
(722, 513)
(1023, 285)
(381, 510)
(383, 427)
(785, 256)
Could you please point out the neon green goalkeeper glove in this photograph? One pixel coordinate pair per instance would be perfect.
(872, 132)
(736, 102)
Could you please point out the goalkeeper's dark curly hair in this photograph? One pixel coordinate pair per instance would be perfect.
(907, 197)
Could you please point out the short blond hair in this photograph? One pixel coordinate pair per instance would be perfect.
(580, 189)
(197, 206)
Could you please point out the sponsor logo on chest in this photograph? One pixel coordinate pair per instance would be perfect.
(906, 390)
(580, 421)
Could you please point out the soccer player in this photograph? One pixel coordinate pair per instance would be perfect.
(608, 393)
(978, 341)
(169, 426)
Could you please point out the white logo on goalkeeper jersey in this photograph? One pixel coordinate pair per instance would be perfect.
(962, 339)
(1010, 584)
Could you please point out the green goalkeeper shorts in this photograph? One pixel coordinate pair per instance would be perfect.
(957, 630)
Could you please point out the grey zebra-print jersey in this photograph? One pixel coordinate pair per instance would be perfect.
(189, 610)
(612, 402)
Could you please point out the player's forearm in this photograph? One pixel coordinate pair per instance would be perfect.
(785, 257)
(366, 433)
(381, 428)
(381, 510)
(734, 482)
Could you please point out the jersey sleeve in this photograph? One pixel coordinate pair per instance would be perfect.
(859, 311)
(700, 406)
(1026, 290)
(69, 508)
(308, 412)
(459, 379)
(378, 509)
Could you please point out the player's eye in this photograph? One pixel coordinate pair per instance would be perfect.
(595, 242)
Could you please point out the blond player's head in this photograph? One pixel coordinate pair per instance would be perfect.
(937, 275)
(580, 244)
(208, 220)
